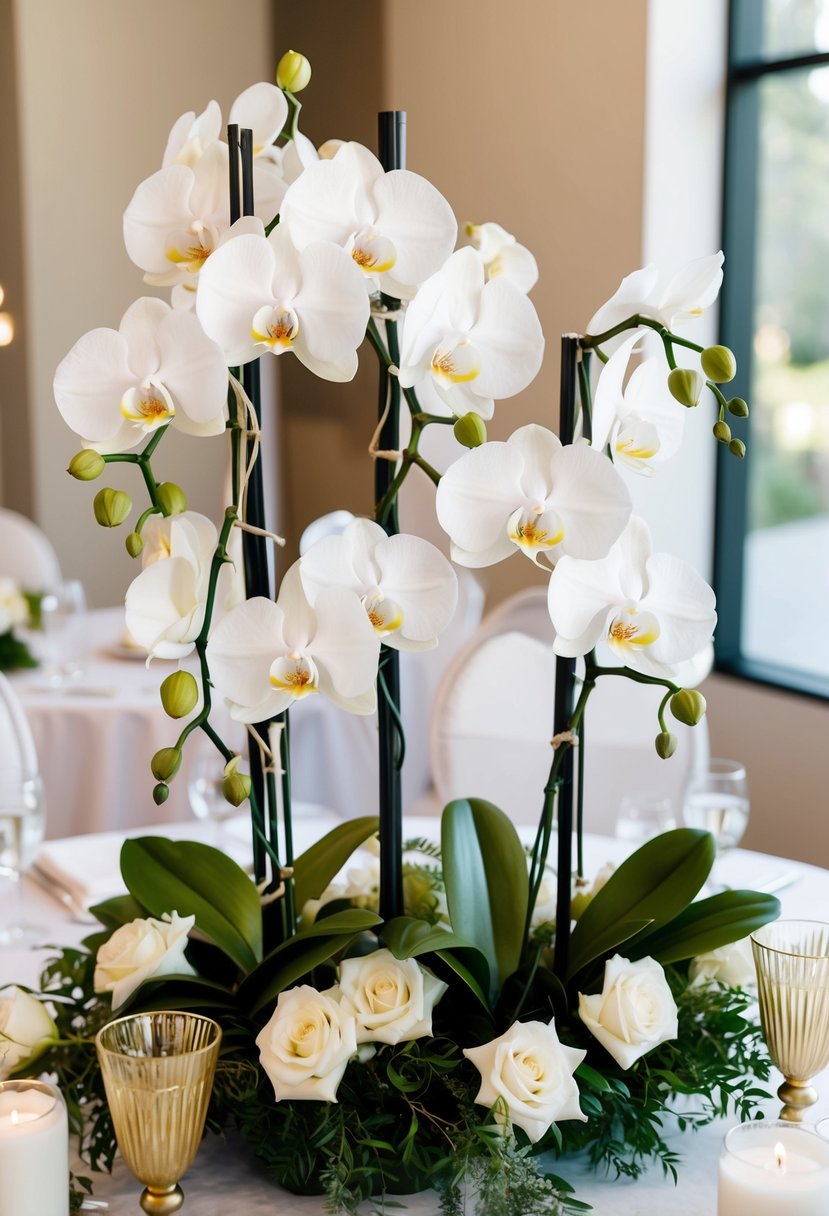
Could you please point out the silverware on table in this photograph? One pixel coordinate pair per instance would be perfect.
(52, 886)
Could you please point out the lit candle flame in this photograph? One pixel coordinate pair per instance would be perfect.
(780, 1157)
(15, 1117)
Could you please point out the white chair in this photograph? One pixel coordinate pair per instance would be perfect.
(17, 747)
(493, 716)
(26, 553)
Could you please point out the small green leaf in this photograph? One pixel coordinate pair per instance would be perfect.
(118, 911)
(708, 924)
(194, 879)
(315, 868)
(407, 937)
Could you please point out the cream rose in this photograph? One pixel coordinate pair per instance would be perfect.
(13, 607)
(142, 950)
(634, 1011)
(391, 999)
(532, 1072)
(307, 1044)
(732, 964)
(26, 1030)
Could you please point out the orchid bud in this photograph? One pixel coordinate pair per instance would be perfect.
(737, 407)
(719, 364)
(293, 72)
(722, 432)
(688, 706)
(111, 507)
(737, 448)
(171, 498)
(166, 763)
(161, 793)
(86, 465)
(134, 544)
(179, 694)
(685, 386)
(470, 430)
(665, 744)
(235, 786)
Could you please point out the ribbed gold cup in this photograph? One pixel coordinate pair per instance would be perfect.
(792, 961)
(158, 1073)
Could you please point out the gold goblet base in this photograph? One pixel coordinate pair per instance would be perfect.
(797, 1097)
(160, 1201)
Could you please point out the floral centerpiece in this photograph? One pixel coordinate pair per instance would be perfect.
(443, 1018)
(17, 609)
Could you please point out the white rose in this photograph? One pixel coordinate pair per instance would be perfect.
(307, 1044)
(142, 950)
(732, 964)
(391, 999)
(634, 1011)
(25, 1030)
(13, 607)
(532, 1072)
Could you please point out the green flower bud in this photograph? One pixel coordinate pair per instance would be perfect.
(470, 430)
(685, 386)
(166, 763)
(293, 72)
(171, 498)
(86, 465)
(688, 706)
(737, 407)
(719, 364)
(737, 448)
(236, 785)
(134, 544)
(111, 507)
(665, 744)
(722, 432)
(161, 793)
(179, 694)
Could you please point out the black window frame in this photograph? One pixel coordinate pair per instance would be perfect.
(747, 66)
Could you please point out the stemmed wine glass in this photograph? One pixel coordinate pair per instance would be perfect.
(65, 641)
(204, 790)
(716, 800)
(21, 832)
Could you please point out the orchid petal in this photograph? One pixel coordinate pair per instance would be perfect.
(331, 302)
(684, 605)
(163, 611)
(139, 327)
(579, 598)
(345, 645)
(269, 187)
(592, 500)
(633, 290)
(236, 281)
(692, 289)
(419, 222)
(446, 303)
(340, 371)
(537, 447)
(509, 334)
(517, 265)
(416, 575)
(157, 214)
(241, 649)
(264, 109)
(89, 383)
(191, 135)
(194, 369)
(330, 200)
(608, 401)
(476, 496)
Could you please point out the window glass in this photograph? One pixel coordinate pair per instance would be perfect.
(774, 29)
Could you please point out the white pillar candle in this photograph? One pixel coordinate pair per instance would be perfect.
(34, 1150)
(772, 1169)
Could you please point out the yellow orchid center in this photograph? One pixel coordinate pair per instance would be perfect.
(385, 615)
(275, 326)
(193, 250)
(456, 362)
(149, 405)
(373, 253)
(536, 529)
(296, 674)
(633, 628)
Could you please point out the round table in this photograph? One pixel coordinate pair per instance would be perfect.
(226, 1178)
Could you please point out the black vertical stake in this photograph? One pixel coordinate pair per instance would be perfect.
(391, 128)
(565, 680)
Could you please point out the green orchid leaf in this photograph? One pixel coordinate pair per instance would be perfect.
(407, 937)
(654, 884)
(723, 918)
(479, 987)
(118, 911)
(194, 879)
(487, 885)
(315, 868)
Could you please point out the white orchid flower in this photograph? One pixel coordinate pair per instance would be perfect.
(502, 255)
(652, 609)
(470, 341)
(116, 386)
(534, 495)
(262, 108)
(640, 421)
(258, 293)
(264, 656)
(407, 587)
(165, 604)
(396, 226)
(691, 290)
(176, 218)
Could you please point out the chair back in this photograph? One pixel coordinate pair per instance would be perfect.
(26, 553)
(17, 747)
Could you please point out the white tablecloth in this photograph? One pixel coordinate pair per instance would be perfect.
(226, 1178)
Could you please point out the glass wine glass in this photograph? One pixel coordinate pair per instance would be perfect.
(21, 832)
(716, 800)
(204, 790)
(65, 638)
(642, 816)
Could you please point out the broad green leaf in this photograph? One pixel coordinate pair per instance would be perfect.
(118, 911)
(315, 868)
(463, 972)
(487, 885)
(180, 992)
(407, 937)
(704, 926)
(655, 883)
(190, 878)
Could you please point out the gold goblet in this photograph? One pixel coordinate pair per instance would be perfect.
(158, 1073)
(792, 961)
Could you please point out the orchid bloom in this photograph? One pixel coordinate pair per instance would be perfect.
(652, 609)
(116, 386)
(468, 341)
(502, 255)
(396, 226)
(691, 290)
(640, 422)
(534, 495)
(262, 108)
(264, 656)
(165, 604)
(258, 293)
(407, 587)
